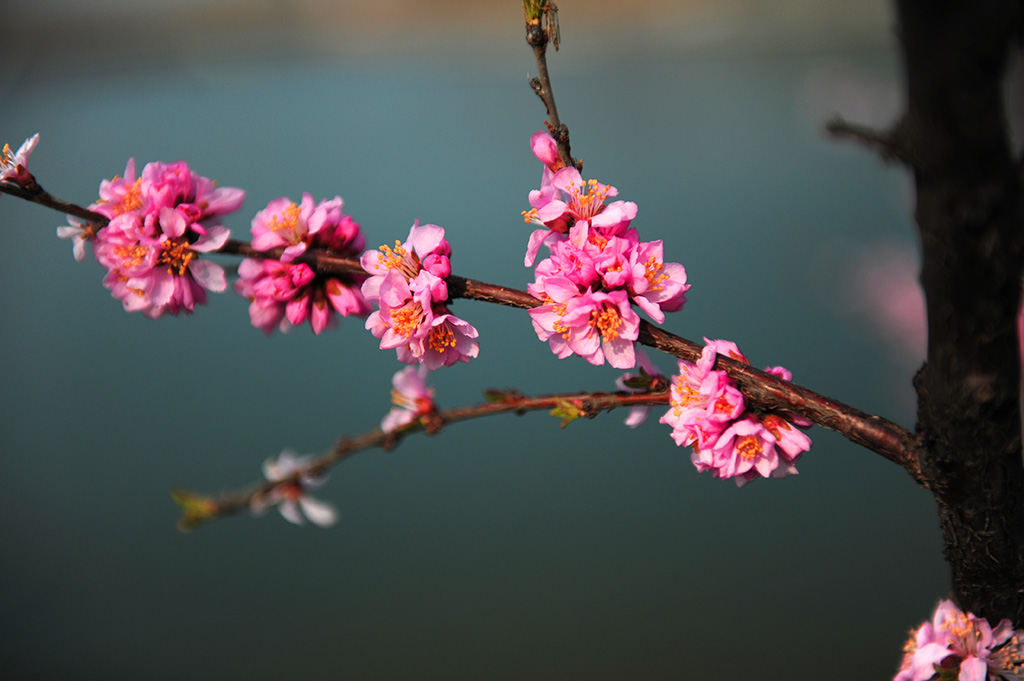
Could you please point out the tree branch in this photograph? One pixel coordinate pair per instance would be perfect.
(766, 391)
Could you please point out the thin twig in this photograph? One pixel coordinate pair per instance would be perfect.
(538, 35)
(885, 142)
(43, 198)
(199, 509)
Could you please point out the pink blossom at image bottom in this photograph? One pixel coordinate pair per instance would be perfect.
(959, 645)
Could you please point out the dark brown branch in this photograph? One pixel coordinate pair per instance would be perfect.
(43, 198)
(766, 390)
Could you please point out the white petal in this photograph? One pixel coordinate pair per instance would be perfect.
(290, 512)
(208, 275)
(319, 512)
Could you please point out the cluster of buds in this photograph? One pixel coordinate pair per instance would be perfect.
(283, 293)
(598, 267)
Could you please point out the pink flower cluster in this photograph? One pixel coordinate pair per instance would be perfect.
(283, 293)
(159, 224)
(408, 285)
(598, 267)
(708, 412)
(957, 644)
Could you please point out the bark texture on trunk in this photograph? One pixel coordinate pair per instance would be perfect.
(970, 215)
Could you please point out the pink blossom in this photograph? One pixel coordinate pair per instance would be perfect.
(707, 411)
(402, 315)
(702, 403)
(121, 194)
(565, 200)
(448, 340)
(159, 225)
(744, 451)
(290, 495)
(424, 249)
(159, 272)
(577, 201)
(597, 326)
(175, 185)
(285, 223)
(286, 294)
(411, 397)
(14, 166)
(960, 641)
(662, 286)
(408, 285)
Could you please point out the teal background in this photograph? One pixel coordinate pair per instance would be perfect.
(504, 548)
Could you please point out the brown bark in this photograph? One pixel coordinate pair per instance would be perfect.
(970, 215)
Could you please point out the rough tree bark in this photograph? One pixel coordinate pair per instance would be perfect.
(970, 216)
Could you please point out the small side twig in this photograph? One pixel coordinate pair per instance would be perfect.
(199, 509)
(888, 143)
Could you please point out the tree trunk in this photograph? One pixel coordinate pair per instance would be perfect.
(970, 215)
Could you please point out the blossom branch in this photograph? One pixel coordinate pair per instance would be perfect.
(197, 509)
(878, 434)
(767, 391)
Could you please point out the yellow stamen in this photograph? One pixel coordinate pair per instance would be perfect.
(440, 338)
(749, 447)
(176, 255)
(587, 199)
(607, 321)
(406, 320)
(652, 270)
(132, 199)
(286, 221)
(131, 256)
(399, 259)
(722, 405)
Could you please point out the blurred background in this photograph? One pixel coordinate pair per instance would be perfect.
(499, 549)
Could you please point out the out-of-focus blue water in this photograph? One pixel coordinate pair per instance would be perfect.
(505, 548)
